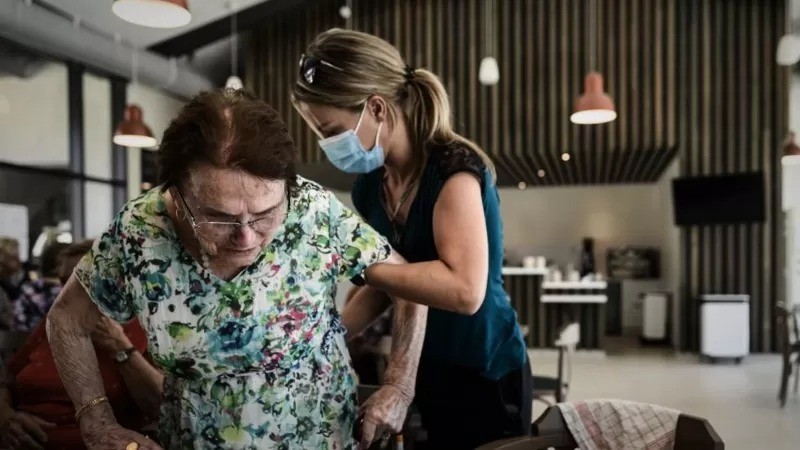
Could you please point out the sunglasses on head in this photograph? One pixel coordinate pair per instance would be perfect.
(309, 65)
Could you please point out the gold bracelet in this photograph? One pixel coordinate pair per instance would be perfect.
(83, 409)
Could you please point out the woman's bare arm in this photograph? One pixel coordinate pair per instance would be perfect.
(457, 280)
(69, 326)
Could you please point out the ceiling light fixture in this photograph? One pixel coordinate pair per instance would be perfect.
(788, 51)
(791, 151)
(153, 13)
(489, 71)
(132, 131)
(234, 82)
(594, 106)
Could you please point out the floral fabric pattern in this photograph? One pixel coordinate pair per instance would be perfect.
(34, 301)
(258, 361)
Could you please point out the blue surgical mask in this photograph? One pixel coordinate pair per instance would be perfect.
(346, 152)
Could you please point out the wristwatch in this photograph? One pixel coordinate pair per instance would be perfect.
(124, 355)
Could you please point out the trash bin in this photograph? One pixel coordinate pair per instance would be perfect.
(724, 326)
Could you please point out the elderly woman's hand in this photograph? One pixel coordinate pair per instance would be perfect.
(115, 437)
(384, 413)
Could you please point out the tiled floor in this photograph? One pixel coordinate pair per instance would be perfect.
(739, 401)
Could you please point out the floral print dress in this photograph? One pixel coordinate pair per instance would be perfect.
(259, 361)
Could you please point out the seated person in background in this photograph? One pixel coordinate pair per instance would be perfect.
(35, 297)
(35, 410)
(10, 268)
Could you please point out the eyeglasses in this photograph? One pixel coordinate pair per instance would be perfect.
(219, 229)
(309, 65)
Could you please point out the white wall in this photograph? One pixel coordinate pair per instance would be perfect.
(158, 109)
(551, 222)
(33, 124)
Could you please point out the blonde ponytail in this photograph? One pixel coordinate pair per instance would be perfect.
(428, 111)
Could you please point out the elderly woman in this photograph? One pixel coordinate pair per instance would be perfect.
(231, 267)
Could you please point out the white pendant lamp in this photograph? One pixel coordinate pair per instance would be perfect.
(234, 82)
(594, 106)
(489, 71)
(788, 51)
(153, 13)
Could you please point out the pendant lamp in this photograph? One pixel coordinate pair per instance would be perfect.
(489, 71)
(788, 51)
(594, 106)
(234, 82)
(132, 131)
(153, 13)
(791, 151)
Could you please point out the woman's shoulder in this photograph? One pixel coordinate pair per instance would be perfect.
(447, 160)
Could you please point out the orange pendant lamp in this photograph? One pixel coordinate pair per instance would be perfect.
(791, 151)
(132, 131)
(594, 106)
(153, 13)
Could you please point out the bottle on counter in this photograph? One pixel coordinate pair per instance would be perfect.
(587, 257)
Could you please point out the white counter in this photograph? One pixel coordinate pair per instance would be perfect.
(523, 271)
(575, 285)
(547, 298)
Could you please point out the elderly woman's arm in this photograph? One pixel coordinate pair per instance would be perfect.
(139, 375)
(388, 407)
(70, 323)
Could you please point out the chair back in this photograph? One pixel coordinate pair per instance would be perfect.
(567, 342)
(550, 431)
(569, 336)
(787, 328)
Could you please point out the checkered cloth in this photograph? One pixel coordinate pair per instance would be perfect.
(620, 425)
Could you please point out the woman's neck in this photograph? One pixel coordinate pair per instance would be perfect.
(401, 161)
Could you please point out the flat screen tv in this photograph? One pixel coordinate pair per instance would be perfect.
(721, 199)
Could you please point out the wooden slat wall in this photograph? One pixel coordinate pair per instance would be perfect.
(732, 104)
(695, 78)
(542, 48)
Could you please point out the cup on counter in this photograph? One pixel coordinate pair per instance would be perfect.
(529, 262)
(574, 276)
(541, 262)
(556, 276)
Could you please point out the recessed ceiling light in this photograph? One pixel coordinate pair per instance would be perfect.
(540, 173)
(565, 156)
(522, 185)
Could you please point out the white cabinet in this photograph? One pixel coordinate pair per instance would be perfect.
(725, 326)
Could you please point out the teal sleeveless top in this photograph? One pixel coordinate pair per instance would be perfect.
(490, 340)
